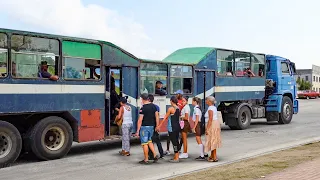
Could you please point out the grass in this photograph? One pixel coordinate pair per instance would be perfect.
(260, 166)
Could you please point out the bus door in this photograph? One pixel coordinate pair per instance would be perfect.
(130, 81)
(113, 86)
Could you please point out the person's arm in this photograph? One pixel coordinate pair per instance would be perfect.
(120, 112)
(165, 117)
(197, 120)
(210, 113)
(139, 124)
(186, 114)
(48, 75)
(157, 118)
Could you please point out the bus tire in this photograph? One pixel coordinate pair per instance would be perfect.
(51, 138)
(286, 114)
(244, 118)
(10, 144)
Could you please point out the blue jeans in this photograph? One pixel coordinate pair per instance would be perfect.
(146, 133)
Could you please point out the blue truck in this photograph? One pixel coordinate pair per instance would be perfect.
(246, 85)
(44, 116)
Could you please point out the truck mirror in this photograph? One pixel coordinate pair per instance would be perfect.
(293, 66)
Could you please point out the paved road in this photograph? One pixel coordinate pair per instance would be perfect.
(100, 160)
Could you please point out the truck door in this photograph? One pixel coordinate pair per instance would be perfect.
(130, 88)
(286, 78)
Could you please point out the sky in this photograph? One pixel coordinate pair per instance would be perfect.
(154, 29)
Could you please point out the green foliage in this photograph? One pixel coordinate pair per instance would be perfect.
(303, 85)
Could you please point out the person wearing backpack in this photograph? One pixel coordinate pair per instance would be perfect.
(197, 115)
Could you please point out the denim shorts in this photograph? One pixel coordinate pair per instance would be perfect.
(146, 133)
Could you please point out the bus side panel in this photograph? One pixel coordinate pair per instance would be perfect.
(91, 127)
(239, 88)
(130, 89)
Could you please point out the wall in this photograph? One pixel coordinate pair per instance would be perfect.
(316, 78)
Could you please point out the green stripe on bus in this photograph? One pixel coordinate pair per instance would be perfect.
(84, 50)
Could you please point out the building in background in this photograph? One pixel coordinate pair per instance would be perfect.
(310, 75)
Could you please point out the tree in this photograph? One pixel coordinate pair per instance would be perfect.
(303, 85)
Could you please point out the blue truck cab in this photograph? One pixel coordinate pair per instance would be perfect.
(281, 90)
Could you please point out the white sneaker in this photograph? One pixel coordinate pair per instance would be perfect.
(183, 155)
(167, 153)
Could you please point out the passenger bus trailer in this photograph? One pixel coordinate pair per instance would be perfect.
(44, 117)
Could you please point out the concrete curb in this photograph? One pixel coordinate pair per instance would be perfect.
(248, 156)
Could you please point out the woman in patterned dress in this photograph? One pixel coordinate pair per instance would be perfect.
(213, 130)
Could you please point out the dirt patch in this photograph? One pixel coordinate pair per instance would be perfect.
(260, 166)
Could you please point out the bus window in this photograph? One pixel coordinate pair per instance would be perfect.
(28, 53)
(258, 64)
(153, 78)
(3, 54)
(225, 63)
(242, 62)
(181, 79)
(80, 60)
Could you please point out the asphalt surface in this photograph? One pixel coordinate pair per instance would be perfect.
(100, 160)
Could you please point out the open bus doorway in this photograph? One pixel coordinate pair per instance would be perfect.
(114, 83)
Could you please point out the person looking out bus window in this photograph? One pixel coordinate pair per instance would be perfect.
(249, 73)
(44, 72)
(14, 70)
(185, 113)
(260, 72)
(125, 113)
(172, 117)
(148, 119)
(159, 89)
(197, 114)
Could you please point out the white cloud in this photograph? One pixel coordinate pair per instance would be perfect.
(73, 18)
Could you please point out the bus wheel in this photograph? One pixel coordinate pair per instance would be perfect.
(10, 143)
(51, 138)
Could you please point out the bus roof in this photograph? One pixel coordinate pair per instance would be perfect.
(191, 55)
(66, 38)
(162, 62)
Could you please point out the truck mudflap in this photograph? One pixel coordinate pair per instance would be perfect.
(295, 106)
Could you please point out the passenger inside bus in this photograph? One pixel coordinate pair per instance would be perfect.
(249, 73)
(260, 72)
(159, 89)
(229, 72)
(44, 72)
(14, 70)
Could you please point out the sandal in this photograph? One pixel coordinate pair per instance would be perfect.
(143, 162)
(212, 160)
(156, 159)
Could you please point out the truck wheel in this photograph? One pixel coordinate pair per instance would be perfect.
(285, 116)
(51, 138)
(243, 119)
(10, 143)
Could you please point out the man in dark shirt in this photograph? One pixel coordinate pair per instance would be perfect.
(44, 72)
(148, 119)
(156, 136)
(159, 90)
